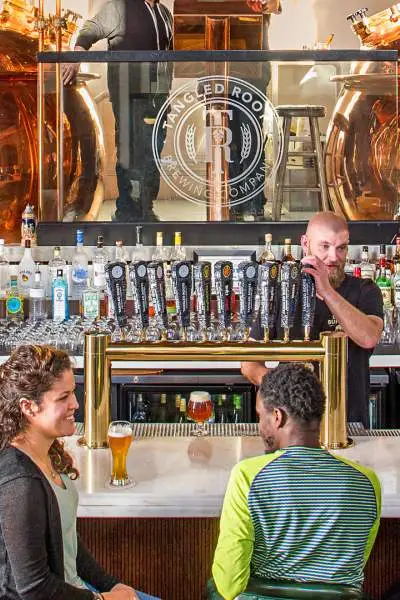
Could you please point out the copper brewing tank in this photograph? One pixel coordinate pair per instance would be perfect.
(19, 155)
(362, 158)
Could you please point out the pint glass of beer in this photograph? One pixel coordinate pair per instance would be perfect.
(119, 440)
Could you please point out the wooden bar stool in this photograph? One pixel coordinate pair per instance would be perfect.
(313, 113)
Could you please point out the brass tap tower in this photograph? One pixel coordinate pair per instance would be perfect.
(330, 352)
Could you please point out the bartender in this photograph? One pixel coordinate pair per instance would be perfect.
(344, 303)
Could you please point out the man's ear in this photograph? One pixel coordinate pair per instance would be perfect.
(280, 417)
(304, 244)
(29, 408)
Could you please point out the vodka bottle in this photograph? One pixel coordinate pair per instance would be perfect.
(100, 259)
(26, 270)
(37, 298)
(79, 274)
(4, 268)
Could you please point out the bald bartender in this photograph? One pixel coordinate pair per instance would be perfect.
(344, 303)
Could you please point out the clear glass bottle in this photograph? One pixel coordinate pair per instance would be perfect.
(160, 252)
(100, 259)
(349, 266)
(14, 301)
(181, 416)
(140, 414)
(26, 270)
(367, 268)
(138, 251)
(79, 271)
(237, 415)
(385, 284)
(287, 255)
(267, 254)
(162, 415)
(178, 251)
(37, 298)
(90, 303)
(396, 290)
(121, 253)
(4, 268)
(60, 298)
(55, 263)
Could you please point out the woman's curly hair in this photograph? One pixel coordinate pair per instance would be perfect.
(30, 372)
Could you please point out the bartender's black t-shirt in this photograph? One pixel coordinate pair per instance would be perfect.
(365, 295)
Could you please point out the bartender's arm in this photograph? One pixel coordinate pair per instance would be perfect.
(362, 327)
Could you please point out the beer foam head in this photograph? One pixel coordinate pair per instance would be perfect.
(199, 396)
(120, 434)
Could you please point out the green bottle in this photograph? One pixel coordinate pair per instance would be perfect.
(384, 283)
(14, 301)
(237, 416)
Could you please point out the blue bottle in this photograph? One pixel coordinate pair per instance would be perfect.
(59, 297)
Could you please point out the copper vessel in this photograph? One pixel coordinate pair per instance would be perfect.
(19, 136)
(362, 158)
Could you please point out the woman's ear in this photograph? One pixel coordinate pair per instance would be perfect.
(28, 407)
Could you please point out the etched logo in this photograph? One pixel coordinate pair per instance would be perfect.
(221, 128)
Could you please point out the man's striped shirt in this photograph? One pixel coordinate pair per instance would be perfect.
(299, 514)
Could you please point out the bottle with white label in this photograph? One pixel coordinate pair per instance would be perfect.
(55, 263)
(100, 259)
(26, 270)
(60, 298)
(37, 298)
(90, 304)
(79, 272)
(4, 268)
(396, 288)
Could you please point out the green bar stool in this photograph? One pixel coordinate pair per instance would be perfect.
(259, 589)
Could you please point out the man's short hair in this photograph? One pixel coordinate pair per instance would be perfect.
(295, 389)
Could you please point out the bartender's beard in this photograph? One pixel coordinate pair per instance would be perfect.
(336, 276)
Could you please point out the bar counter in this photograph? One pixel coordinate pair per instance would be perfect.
(160, 535)
(187, 477)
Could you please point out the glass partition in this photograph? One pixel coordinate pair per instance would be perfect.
(257, 136)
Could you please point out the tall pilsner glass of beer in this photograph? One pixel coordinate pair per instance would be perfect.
(119, 440)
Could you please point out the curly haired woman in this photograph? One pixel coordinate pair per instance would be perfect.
(41, 555)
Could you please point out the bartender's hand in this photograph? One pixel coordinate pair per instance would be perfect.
(70, 70)
(120, 592)
(265, 6)
(320, 272)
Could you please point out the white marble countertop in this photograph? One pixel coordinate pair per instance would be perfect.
(187, 477)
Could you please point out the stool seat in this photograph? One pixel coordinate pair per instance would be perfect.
(300, 110)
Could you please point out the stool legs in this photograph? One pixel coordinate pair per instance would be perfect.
(319, 162)
(277, 200)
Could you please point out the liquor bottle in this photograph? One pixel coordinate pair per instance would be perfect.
(348, 266)
(79, 271)
(37, 298)
(181, 416)
(221, 414)
(162, 415)
(384, 283)
(100, 259)
(160, 252)
(138, 250)
(267, 254)
(55, 263)
(140, 414)
(14, 301)
(26, 270)
(177, 405)
(121, 254)
(28, 225)
(60, 298)
(178, 252)
(367, 268)
(396, 254)
(237, 415)
(287, 255)
(389, 263)
(90, 303)
(396, 289)
(357, 271)
(4, 268)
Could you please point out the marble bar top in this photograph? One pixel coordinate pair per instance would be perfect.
(187, 477)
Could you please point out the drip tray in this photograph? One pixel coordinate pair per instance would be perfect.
(142, 430)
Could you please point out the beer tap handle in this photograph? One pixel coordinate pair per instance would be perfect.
(116, 283)
(157, 291)
(202, 286)
(308, 302)
(247, 275)
(139, 281)
(182, 285)
(223, 277)
(290, 287)
(268, 277)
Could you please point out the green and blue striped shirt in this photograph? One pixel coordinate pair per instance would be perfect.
(298, 514)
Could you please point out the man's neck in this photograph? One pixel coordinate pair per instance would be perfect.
(306, 439)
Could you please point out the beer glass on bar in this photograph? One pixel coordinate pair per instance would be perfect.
(199, 409)
(119, 440)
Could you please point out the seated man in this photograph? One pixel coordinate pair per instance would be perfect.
(297, 513)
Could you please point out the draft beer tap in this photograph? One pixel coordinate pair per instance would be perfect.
(290, 288)
(223, 278)
(308, 300)
(139, 281)
(155, 272)
(268, 277)
(182, 287)
(247, 275)
(202, 286)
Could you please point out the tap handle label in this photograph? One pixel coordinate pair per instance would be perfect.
(155, 272)
(290, 289)
(182, 285)
(140, 291)
(247, 275)
(308, 299)
(223, 277)
(268, 277)
(202, 286)
(116, 284)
